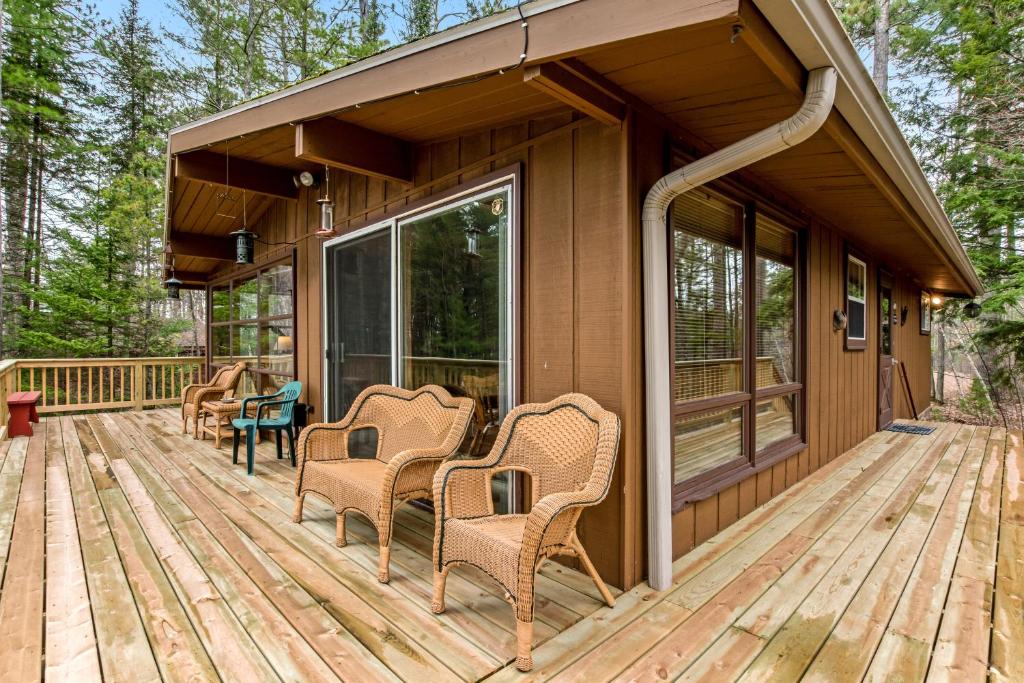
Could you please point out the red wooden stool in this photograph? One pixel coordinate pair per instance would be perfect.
(22, 407)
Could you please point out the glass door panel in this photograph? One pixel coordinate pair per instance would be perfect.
(358, 351)
(455, 308)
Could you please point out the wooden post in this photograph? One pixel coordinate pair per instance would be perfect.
(139, 384)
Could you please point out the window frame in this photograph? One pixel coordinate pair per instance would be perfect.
(751, 460)
(259, 321)
(854, 343)
(508, 176)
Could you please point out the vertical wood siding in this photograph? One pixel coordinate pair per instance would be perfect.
(576, 251)
(841, 388)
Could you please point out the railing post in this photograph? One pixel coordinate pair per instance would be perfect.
(139, 384)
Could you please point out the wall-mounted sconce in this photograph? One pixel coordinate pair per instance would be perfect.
(305, 179)
(326, 228)
(904, 312)
(936, 300)
(245, 246)
(839, 320)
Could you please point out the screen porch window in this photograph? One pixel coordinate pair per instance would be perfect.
(736, 384)
(856, 302)
(252, 320)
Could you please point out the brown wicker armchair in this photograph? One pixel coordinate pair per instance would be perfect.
(568, 447)
(416, 432)
(223, 382)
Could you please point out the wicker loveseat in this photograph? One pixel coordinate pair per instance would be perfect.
(223, 382)
(416, 432)
(568, 448)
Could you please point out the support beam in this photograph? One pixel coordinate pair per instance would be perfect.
(251, 176)
(217, 247)
(564, 85)
(345, 145)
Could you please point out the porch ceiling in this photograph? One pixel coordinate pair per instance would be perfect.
(713, 83)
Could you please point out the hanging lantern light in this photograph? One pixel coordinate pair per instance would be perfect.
(326, 228)
(473, 241)
(173, 286)
(245, 246)
(972, 310)
(245, 240)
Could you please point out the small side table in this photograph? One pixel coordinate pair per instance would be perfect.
(21, 406)
(222, 414)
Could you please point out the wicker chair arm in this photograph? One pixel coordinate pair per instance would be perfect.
(208, 394)
(188, 393)
(399, 461)
(460, 489)
(544, 515)
(320, 441)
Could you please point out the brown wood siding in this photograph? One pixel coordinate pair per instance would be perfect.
(841, 388)
(579, 322)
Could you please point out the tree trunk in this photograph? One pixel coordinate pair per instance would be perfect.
(880, 67)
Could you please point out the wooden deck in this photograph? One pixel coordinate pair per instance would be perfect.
(136, 554)
(133, 553)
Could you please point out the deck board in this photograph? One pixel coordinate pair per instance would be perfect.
(132, 552)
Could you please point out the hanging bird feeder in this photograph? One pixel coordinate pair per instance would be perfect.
(326, 228)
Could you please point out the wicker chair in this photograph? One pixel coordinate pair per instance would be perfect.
(568, 447)
(416, 432)
(223, 382)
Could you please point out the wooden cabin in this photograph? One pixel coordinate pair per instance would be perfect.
(467, 210)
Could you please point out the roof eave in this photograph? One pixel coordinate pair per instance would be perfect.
(814, 33)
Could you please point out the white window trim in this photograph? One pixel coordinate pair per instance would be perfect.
(392, 223)
(863, 300)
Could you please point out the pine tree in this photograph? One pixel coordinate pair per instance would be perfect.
(40, 124)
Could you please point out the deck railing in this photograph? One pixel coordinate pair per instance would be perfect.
(83, 384)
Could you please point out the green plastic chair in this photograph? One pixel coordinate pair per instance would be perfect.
(286, 398)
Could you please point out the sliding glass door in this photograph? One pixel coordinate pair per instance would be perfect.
(358, 318)
(428, 298)
(454, 300)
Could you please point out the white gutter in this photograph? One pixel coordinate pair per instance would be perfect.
(818, 99)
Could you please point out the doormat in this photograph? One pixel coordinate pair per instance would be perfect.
(909, 429)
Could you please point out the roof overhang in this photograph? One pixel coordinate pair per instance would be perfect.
(558, 29)
(813, 32)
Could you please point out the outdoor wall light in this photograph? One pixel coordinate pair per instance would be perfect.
(245, 246)
(936, 300)
(972, 310)
(838, 320)
(326, 228)
(173, 286)
(304, 179)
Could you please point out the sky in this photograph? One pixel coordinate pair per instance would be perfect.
(163, 18)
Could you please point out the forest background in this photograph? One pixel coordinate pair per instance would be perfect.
(90, 91)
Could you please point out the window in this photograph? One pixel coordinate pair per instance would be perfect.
(926, 313)
(856, 303)
(427, 297)
(736, 383)
(252, 319)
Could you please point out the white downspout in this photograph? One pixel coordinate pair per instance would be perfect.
(821, 90)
